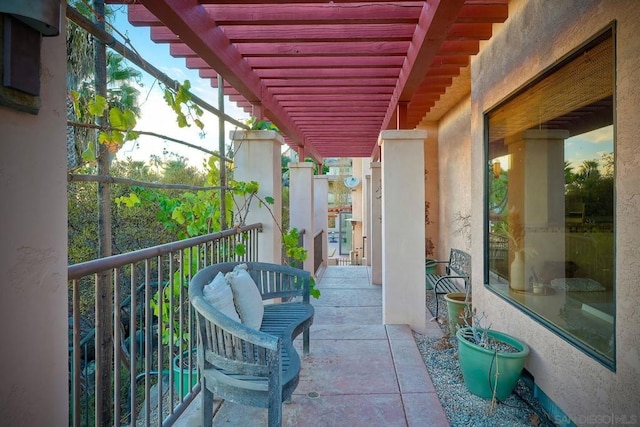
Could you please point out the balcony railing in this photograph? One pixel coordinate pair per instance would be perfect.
(151, 329)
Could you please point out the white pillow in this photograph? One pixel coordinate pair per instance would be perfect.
(246, 296)
(218, 294)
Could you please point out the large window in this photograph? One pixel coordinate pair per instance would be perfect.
(550, 202)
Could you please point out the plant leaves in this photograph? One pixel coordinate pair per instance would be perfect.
(88, 155)
(98, 105)
(116, 118)
(104, 137)
(240, 249)
(129, 201)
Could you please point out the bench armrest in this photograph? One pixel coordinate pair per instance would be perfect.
(239, 330)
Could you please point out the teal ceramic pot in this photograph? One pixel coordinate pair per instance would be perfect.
(479, 365)
(181, 384)
(456, 304)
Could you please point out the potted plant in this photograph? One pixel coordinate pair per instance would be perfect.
(458, 309)
(170, 306)
(491, 361)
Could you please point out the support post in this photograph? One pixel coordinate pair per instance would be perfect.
(321, 212)
(301, 197)
(403, 281)
(375, 236)
(258, 159)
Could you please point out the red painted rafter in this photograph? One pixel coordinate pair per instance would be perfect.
(310, 14)
(329, 74)
(196, 27)
(436, 19)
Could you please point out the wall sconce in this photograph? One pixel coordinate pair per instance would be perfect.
(24, 23)
(497, 169)
(41, 15)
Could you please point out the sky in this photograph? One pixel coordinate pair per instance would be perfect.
(580, 148)
(589, 146)
(156, 115)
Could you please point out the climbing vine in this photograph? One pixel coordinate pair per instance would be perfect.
(181, 103)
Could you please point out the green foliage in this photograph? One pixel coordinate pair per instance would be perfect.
(292, 251)
(168, 305)
(313, 291)
(255, 124)
(88, 155)
(593, 187)
(181, 99)
(140, 222)
(96, 106)
(294, 254)
(119, 109)
(325, 168)
(192, 214)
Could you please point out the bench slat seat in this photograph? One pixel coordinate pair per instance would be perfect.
(457, 269)
(248, 366)
(444, 285)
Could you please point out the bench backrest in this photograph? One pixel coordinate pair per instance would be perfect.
(460, 264)
(233, 346)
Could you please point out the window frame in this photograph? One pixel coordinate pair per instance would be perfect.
(606, 32)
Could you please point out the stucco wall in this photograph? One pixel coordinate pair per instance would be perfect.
(454, 147)
(537, 34)
(431, 188)
(33, 254)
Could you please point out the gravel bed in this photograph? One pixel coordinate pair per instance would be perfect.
(461, 407)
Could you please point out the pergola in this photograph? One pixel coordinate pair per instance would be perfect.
(331, 75)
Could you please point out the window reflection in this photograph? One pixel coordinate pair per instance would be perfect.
(550, 204)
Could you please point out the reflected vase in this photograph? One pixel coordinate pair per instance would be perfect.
(516, 272)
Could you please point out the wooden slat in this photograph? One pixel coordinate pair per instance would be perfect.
(265, 50)
(244, 365)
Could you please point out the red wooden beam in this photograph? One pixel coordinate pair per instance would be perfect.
(196, 27)
(331, 90)
(436, 19)
(351, 32)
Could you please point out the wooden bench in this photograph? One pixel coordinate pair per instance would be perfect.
(248, 366)
(457, 267)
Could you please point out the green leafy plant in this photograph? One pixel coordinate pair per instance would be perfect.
(185, 109)
(258, 124)
(197, 213)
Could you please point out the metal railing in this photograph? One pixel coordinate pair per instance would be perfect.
(152, 329)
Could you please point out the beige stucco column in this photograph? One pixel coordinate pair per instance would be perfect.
(34, 389)
(537, 171)
(403, 289)
(365, 210)
(321, 212)
(357, 211)
(258, 159)
(367, 217)
(375, 236)
(301, 198)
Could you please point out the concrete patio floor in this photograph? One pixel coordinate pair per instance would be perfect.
(359, 371)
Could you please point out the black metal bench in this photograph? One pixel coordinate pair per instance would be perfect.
(457, 267)
(248, 366)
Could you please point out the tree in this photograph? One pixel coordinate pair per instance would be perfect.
(593, 189)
